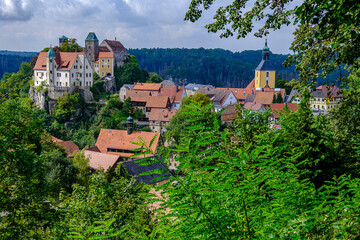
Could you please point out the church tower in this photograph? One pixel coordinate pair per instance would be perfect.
(91, 48)
(265, 72)
(50, 67)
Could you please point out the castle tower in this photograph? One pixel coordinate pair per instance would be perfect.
(62, 40)
(50, 67)
(91, 48)
(265, 72)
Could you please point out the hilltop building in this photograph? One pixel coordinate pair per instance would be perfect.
(265, 71)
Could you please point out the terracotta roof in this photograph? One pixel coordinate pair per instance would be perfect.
(264, 97)
(147, 86)
(119, 139)
(253, 106)
(69, 146)
(103, 49)
(105, 55)
(240, 93)
(157, 101)
(137, 96)
(115, 45)
(161, 114)
(174, 93)
(97, 159)
(64, 60)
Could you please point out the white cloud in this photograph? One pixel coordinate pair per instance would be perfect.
(17, 9)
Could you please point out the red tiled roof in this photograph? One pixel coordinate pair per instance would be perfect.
(137, 96)
(69, 146)
(161, 114)
(105, 55)
(115, 45)
(264, 97)
(278, 107)
(334, 91)
(119, 139)
(64, 60)
(157, 101)
(252, 106)
(98, 159)
(147, 86)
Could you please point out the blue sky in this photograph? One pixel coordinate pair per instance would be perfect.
(31, 25)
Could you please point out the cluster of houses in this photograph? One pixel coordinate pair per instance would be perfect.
(160, 102)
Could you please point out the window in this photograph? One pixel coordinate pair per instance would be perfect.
(50, 71)
(80, 75)
(267, 74)
(37, 83)
(66, 84)
(86, 66)
(80, 83)
(108, 60)
(103, 60)
(57, 83)
(51, 60)
(72, 75)
(74, 84)
(60, 84)
(102, 66)
(80, 66)
(86, 75)
(76, 61)
(65, 74)
(58, 74)
(89, 74)
(102, 74)
(37, 74)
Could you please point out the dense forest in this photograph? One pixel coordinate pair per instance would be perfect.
(11, 63)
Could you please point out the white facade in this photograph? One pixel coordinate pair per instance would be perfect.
(77, 72)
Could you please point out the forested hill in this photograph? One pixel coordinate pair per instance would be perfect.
(217, 67)
(10, 61)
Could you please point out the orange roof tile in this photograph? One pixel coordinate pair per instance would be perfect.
(64, 60)
(264, 97)
(137, 96)
(97, 159)
(147, 86)
(119, 139)
(69, 146)
(157, 101)
(253, 106)
(161, 114)
(105, 55)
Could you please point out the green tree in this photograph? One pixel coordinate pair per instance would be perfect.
(82, 164)
(67, 106)
(155, 78)
(70, 45)
(279, 98)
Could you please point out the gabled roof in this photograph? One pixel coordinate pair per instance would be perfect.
(103, 160)
(91, 37)
(69, 146)
(192, 86)
(103, 49)
(115, 45)
(323, 91)
(264, 97)
(157, 101)
(240, 93)
(105, 55)
(174, 93)
(278, 107)
(253, 106)
(119, 139)
(64, 60)
(135, 169)
(147, 86)
(161, 114)
(137, 96)
(215, 95)
(128, 86)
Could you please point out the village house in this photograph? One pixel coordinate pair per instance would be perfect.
(159, 119)
(254, 107)
(118, 143)
(325, 98)
(229, 114)
(124, 89)
(192, 88)
(152, 88)
(174, 93)
(157, 102)
(138, 98)
(220, 98)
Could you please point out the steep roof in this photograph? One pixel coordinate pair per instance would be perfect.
(64, 60)
(91, 37)
(157, 101)
(264, 97)
(252, 106)
(161, 114)
(135, 169)
(103, 160)
(63, 37)
(119, 139)
(137, 96)
(115, 45)
(240, 93)
(265, 65)
(105, 55)
(173, 92)
(147, 86)
(103, 49)
(69, 146)
(215, 95)
(51, 53)
(333, 91)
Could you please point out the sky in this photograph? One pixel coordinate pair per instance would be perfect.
(31, 25)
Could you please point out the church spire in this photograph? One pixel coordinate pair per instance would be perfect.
(266, 52)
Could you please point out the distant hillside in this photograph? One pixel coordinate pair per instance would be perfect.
(217, 67)
(208, 66)
(10, 61)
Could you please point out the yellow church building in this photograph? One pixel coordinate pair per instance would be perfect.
(265, 71)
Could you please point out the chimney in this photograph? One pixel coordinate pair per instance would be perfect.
(129, 125)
